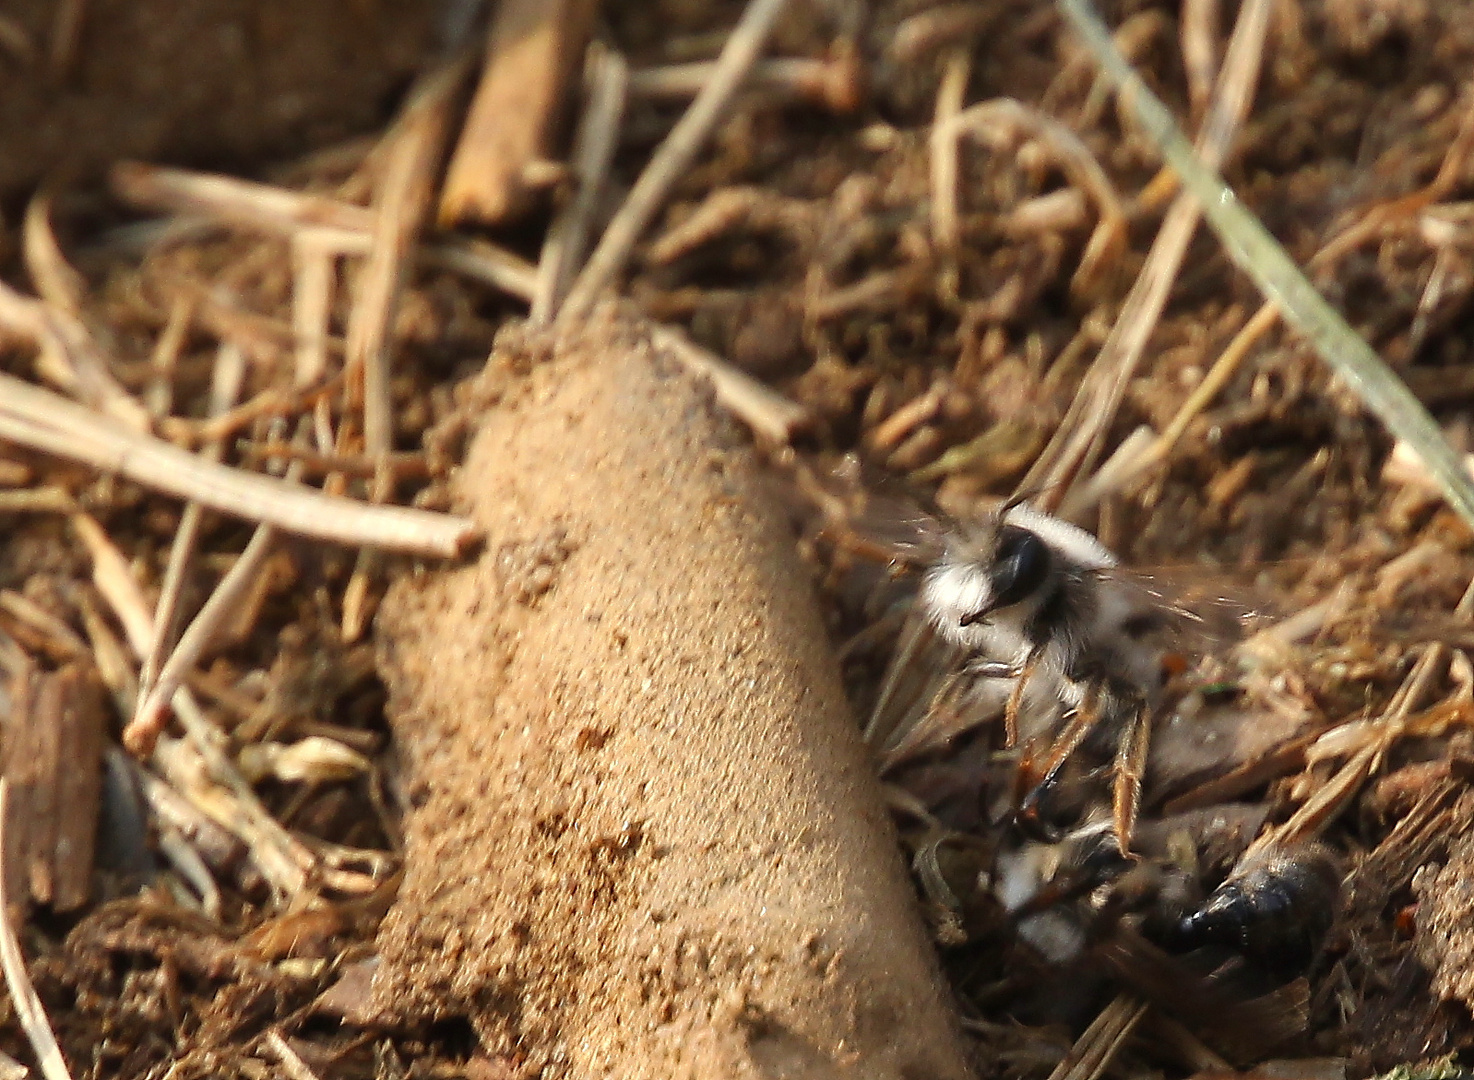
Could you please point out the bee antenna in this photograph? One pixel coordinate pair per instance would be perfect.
(1026, 495)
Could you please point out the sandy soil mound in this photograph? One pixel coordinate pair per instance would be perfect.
(646, 840)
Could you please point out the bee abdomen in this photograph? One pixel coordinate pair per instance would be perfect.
(1274, 909)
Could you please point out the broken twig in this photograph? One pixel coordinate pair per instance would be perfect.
(44, 421)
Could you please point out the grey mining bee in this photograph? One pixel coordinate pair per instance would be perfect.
(1020, 616)
(1023, 609)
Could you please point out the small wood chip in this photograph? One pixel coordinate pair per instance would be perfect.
(53, 759)
(532, 57)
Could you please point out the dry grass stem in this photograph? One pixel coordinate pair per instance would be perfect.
(1213, 383)
(242, 203)
(405, 464)
(340, 227)
(290, 1061)
(1003, 120)
(1094, 1051)
(833, 83)
(221, 850)
(481, 260)
(191, 866)
(215, 789)
(28, 1008)
(56, 282)
(404, 191)
(768, 413)
(1126, 461)
(314, 275)
(944, 135)
(898, 425)
(229, 374)
(66, 36)
(673, 156)
(1199, 37)
(39, 500)
(926, 31)
(1375, 739)
(531, 60)
(1365, 227)
(159, 397)
(1077, 444)
(68, 356)
(594, 144)
(40, 420)
(358, 603)
(59, 640)
(1259, 255)
(198, 767)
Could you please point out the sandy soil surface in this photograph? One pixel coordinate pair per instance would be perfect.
(645, 839)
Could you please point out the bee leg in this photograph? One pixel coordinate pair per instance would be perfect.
(1015, 700)
(1035, 791)
(1130, 768)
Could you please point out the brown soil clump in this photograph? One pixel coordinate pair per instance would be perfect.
(646, 841)
(212, 81)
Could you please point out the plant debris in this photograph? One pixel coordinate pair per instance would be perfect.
(194, 359)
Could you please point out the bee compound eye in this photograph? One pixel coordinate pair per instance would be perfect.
(1019, 567)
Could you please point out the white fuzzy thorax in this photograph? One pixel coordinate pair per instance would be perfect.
(1072, 542)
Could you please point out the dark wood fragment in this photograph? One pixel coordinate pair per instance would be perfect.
(51, 747)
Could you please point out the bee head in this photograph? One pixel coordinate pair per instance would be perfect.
(990, 568)
(1019, 565)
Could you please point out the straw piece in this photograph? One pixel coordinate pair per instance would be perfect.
(1258, 254)
(226, 380)
(241, 203)
(768, 413)
(314, 274)
(594, 144)
(69, 357)
(290, 1061)
(402, 199)
(159, 397)
(56, 282)
(43, 421)
(1366, 226)
(148, 720)
(673, 156)
(341, 228)
(532, 58)
(1001, 119)
(834, 82)
(1077, 444)
(1097, 1047)
(945, 227)
(200, 767)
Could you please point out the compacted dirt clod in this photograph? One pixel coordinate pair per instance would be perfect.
(645, 839)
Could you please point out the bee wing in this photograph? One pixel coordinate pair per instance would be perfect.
(1189, 609)
(891, 530)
